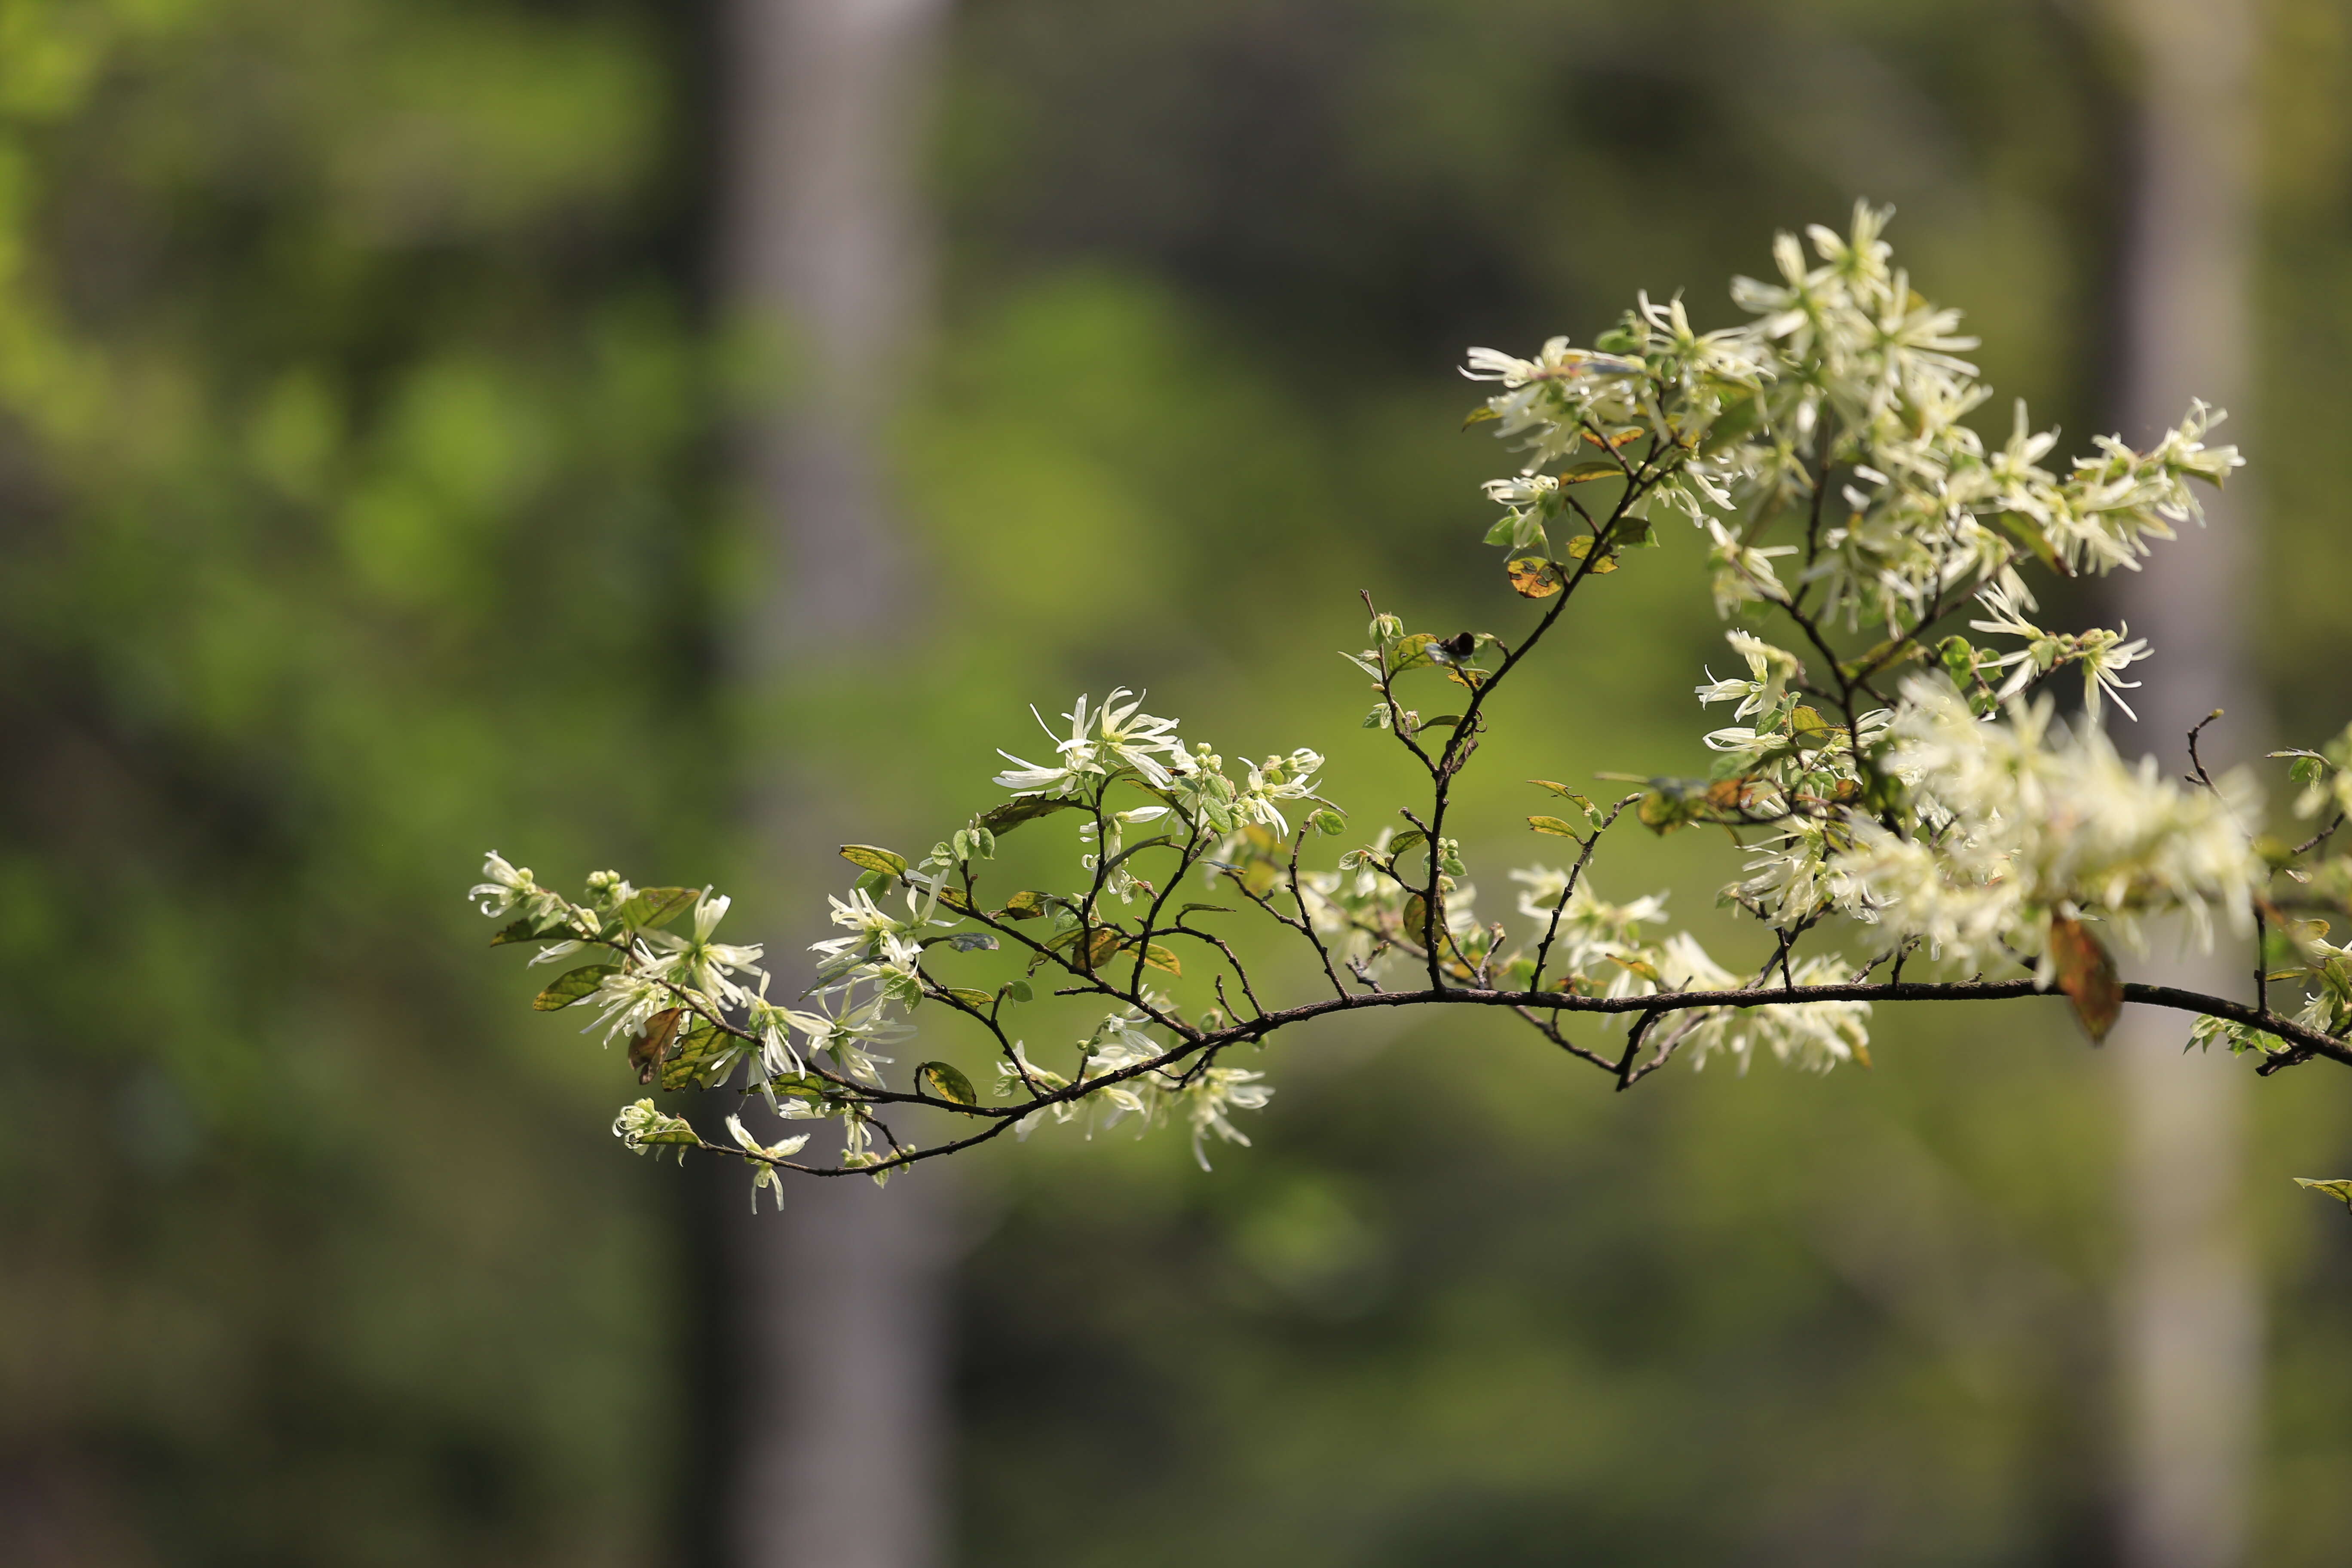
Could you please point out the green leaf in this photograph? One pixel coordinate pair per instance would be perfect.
(1553, 825)
(2341, 1189)
(1328, 823)
(1026, 905)
(528, 930)
(972, 941)
(652, 908)
(804, 1086)
(1412, 652)
(1205, 908)
(575, 986)
(703, 1056)
(1014, 812)
(946, 1081)
(1018, 990)
(868, 857)
(1478, 416)
(1416, 916)
(1411, 838)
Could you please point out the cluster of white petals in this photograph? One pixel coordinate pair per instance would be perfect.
(2023, 821)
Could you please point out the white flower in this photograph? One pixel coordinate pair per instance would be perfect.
(763, 1174)
(697, 962)
(628, 1002)
(2029, 824)
(1214, 1092)
(1743, 571)
(1769, 671)
(1118, 731)
(508, 887)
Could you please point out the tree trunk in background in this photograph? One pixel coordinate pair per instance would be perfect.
(2191, 1310)
(839, 1303)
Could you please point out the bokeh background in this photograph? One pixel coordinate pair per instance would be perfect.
(372, 428)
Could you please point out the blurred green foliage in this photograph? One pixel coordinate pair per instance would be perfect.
(357, 455)
(354, 437)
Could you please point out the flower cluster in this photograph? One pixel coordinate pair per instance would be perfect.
(2022, 822)
(1838, 409)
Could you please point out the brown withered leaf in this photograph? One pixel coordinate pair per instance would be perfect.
(646, 1050)
(1533, 577)
(2087, 972)
(1727, 794)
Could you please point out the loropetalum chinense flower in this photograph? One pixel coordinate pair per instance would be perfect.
(1896, 791)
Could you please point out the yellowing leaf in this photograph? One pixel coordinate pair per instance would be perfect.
(2087, 972)
(1581, 546)
(1566, 794)
(1553, 825)
(980, 1001)
(1479, 416)
(868, 858)
(946, 1081)
(1533, 577)
(2339, 1189)
(1023, 906)
(1159, 958)
(1589, 469)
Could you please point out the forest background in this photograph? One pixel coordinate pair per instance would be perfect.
(364, 504)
